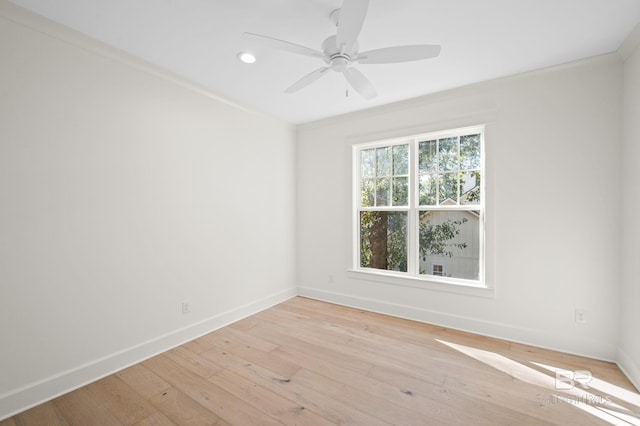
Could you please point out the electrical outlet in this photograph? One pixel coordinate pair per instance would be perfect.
(186, 308)
(581, 315)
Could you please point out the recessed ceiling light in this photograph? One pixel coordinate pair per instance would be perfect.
(246, 57)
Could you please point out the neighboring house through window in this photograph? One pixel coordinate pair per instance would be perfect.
(419, 206)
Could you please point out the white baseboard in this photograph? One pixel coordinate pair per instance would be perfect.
(44, 390)
(540, 338)
(629, 368)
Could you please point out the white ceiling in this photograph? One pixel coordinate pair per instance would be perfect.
(481, 40)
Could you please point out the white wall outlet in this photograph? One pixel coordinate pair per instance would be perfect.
(581, 315)
(186, 308)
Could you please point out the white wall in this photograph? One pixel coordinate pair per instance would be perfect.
(629, 352)
(124, 192)
(553, 146)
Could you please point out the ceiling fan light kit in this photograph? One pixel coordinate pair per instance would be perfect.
(340, 52)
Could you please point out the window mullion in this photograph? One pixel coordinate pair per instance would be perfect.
(437, 172)
(357, 206)
(412, 221)
(458, 168)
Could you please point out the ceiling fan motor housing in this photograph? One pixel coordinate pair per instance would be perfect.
(339, 61)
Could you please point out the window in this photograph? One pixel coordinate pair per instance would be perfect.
(437, 269)
(419, 206)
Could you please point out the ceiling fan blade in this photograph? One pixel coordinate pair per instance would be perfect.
(360, 83)
(350, 22)
(307, 80)
(282, 45)
(390, 55)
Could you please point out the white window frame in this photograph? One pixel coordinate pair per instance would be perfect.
(412, 275)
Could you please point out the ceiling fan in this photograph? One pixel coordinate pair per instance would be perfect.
(340, 52)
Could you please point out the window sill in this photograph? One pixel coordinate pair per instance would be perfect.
(434, 284)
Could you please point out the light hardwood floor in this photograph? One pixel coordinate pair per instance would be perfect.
(305, 362)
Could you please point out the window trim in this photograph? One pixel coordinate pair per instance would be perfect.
(412, 277)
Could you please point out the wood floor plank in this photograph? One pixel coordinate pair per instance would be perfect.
(242, 337)
(46, 414)
(246, 323)
(360, 399)
(365, 350)
(143, 381)
(333, 407)
(277, 333)
(277, 406)
(305, 362)
(197, 346)
(252, 354)
(193, 362)
(183, 410)
(156, 419)
(217, 400)
(80, 408)
(120, 399)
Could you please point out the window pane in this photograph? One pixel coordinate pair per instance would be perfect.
(400, 160)
(470, 187)
(400, 191)
(383, 192)
(367, 190)
(448, 154)
(450, 239)
(383, 240)
(368, 163)
(470, 152)
(383, 157)
(428, 185)
(449, 189)
(427, 157)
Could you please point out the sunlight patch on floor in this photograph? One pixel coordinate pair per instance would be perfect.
(604, 386)
(574, 394)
